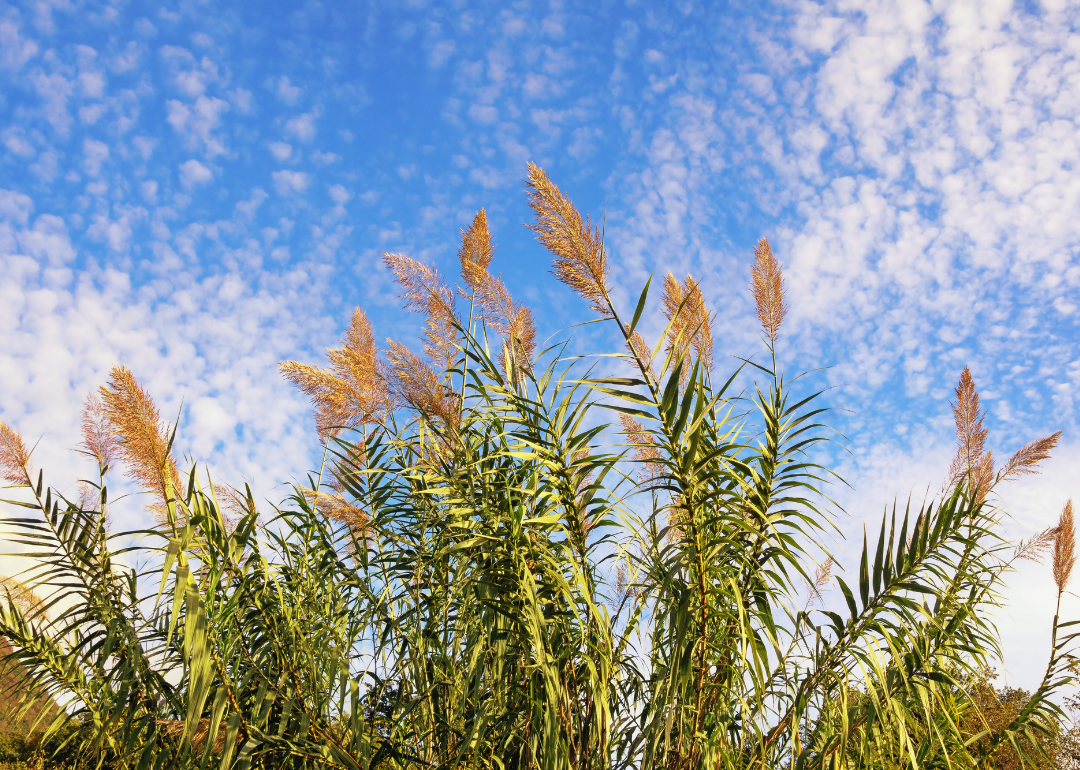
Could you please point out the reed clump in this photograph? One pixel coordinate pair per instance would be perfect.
(490, 571)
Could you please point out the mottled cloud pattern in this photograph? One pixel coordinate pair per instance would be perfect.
(199, 191)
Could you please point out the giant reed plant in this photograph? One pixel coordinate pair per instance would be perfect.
(486, 574)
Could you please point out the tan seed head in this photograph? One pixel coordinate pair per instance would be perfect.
(1064, 547)
(767, 286)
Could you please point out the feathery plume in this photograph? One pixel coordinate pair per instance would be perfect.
(622, 590)
(672, 302)
(415, 383)
(21, 596)
(98, 441)
(89, 497)
(690, 325)
(506, 317)
(698, 322)
(90, 502)
(476, 250)
(580, 261)
(822, 576)
(142, 442)
(521, 343)
(14, 457)
(497, 307)
(522, 331)
(1064, 547)
(1026, 459)
(354, 391)
(234, 505)
(972, 463)
(1035, 547)
(426, 292)
(646, 452)
(637, 344)
(584, 479)
(336, 507)
(767, 285)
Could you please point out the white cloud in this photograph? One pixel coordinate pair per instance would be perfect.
(287, 92)
(54, 91)
(91, 113)
(440, 52)
(17, 144)
(302, 127)
(207, 343)
(485, 114)
(127, 59)
(47, 166)
(48, 241)
(243, 100)
(281, 151)
(92, 84)
(290, 181)
(144, 145)
(918, 179)
(14, 50)
(193, 173)
(248, 207)
(324, 158)
(95, 153)
(197, 122)
(339, 194)
(15, 206)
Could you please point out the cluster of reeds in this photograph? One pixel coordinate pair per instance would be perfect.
(486, 574)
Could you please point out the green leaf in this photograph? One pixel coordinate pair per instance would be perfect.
(640, 307)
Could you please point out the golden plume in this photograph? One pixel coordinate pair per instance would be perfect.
(233, 505)
(698, 322)
(646, 451)
(767, 285)
(354, 391)
(427, 293)
(14, 457)
(98, 441)
(672, 301)
(690, 325)
(1064, 547)
(822, 576)
(1026, 459)
(521, 333)
(583, 479)
(972, 462)
(637, 344)
(417, 384)
(142, 442)
(514, 320)
(476, 250)
(580, 261)
(335, 506)
(1035, 547)
(23, 597)
(89, 497)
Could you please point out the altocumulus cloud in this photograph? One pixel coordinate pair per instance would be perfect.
(912, 163)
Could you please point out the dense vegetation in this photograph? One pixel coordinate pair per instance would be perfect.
(486, 574)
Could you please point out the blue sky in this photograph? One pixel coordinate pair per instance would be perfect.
(199, 190)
